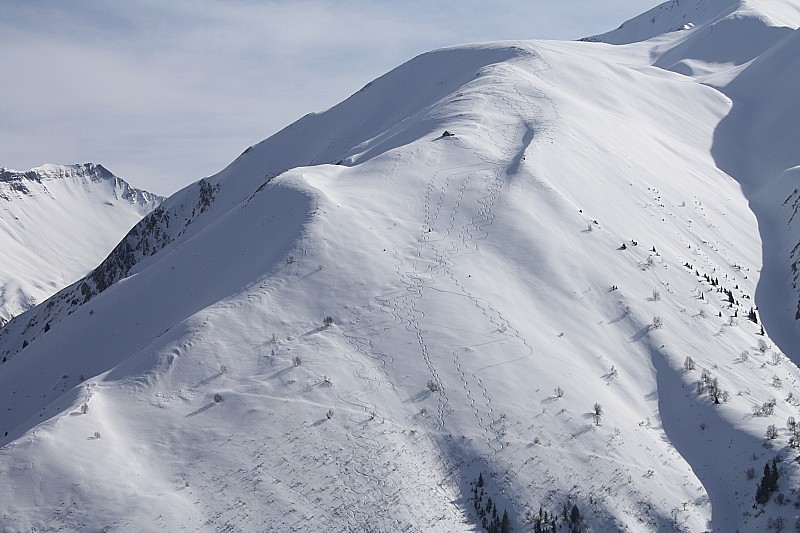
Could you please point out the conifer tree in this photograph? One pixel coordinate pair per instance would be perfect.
(773, 479)
(575, 515)
(765, 487)
(505, 524)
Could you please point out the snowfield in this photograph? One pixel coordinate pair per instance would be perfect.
(56, 223)
(362, 315)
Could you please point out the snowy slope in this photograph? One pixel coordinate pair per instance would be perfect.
(698, 36)
(481, 304)
(56, 223)
(757, 143)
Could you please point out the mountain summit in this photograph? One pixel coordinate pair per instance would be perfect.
(501, 286)
(56, 222)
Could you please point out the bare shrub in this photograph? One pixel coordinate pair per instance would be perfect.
(763, 346)
(597, 414)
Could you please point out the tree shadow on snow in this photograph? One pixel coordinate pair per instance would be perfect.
(313, 331)
(642, 333)
(418, 397)
(201, 410)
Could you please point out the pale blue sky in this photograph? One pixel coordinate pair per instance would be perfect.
(165, 93)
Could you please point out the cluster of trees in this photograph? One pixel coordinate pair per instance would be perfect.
(794, 432)
(751, 315)
(487, 511)
(769, 483)
(710, 385)
(765, 409)
(549, 523)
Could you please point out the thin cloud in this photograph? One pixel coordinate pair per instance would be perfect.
(164, 93)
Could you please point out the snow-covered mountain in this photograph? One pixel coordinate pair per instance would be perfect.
(519, 271)
(56, 223)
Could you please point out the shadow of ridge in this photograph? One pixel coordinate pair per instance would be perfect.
(713, 453)
(762, 167)
(466, 464)
(468, 459)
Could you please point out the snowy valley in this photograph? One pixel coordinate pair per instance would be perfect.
(542, 265)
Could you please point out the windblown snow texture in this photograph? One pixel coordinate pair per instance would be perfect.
(361, 317)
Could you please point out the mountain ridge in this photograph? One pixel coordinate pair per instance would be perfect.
(58, 220)
(362, 317)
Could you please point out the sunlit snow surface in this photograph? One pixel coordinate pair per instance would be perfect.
(56, 223)
(467, 277)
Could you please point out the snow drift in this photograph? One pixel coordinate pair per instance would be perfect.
(365, 324)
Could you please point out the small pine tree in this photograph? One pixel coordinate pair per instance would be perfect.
(505, 523)
(773, 480)
(575, 515)
(769, 483)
